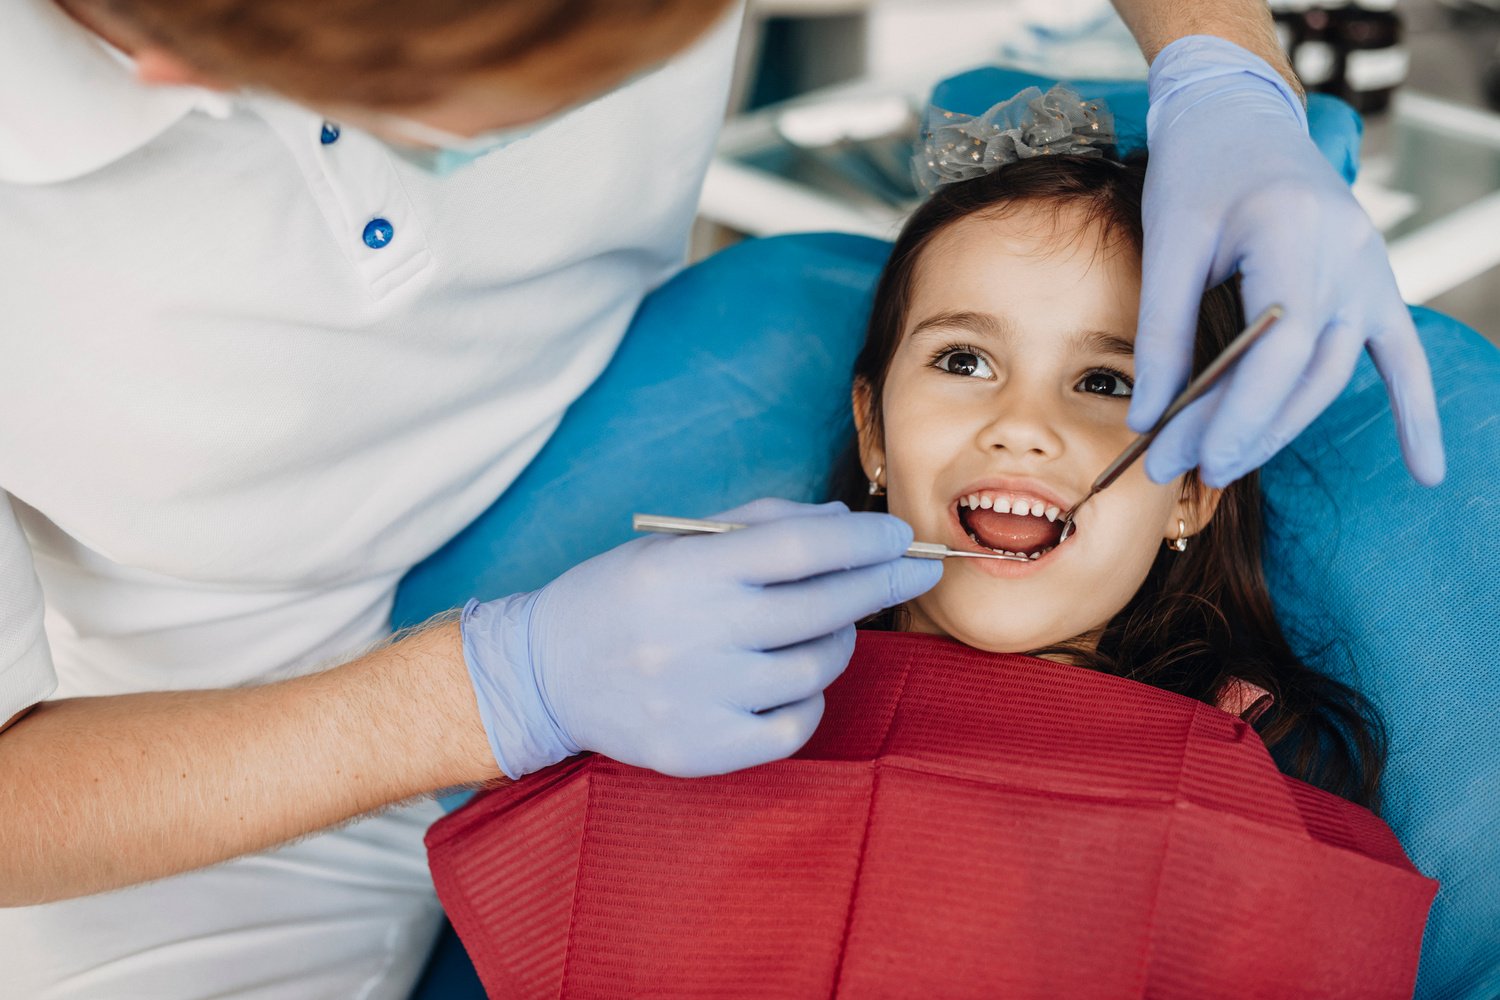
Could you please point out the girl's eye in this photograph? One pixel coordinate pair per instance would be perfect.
(963, 361)
(1106, 382)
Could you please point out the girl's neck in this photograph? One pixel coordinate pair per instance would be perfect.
(1072, 652)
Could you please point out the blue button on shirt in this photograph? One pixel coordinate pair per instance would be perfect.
(378, 233)
(330, 134)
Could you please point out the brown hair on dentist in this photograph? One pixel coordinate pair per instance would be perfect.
(396, 53)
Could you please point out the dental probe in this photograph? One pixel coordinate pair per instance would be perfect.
(664, 525)
(1197, 387)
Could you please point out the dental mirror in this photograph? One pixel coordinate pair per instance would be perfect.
(1197, 387)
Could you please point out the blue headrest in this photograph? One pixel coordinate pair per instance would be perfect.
(1395, 588)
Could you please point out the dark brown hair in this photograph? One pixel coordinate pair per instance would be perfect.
(394, 53)
(1202, 616)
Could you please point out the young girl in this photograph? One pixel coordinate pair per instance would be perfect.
(992, 389)
(967, 824)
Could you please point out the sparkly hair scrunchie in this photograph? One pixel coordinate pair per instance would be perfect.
(957, 147)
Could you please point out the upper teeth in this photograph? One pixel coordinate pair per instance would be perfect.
(1010, 505)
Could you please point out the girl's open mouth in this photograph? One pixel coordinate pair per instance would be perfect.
(1010, 526)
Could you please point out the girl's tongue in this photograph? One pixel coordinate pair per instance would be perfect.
(1011, 532)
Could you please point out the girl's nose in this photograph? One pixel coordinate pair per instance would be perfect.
(1021, 424)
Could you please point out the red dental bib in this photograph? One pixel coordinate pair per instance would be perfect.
(962, 824)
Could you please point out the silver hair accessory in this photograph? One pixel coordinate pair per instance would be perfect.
(959, 147)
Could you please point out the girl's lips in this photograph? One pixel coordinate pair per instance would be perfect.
(995, 567)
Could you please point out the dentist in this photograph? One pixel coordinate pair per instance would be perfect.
(290, 292)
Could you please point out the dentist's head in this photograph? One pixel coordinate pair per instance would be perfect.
(450, 67)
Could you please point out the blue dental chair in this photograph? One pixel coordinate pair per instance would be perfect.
(733, 383)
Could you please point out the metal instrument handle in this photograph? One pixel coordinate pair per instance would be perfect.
(1196, 388)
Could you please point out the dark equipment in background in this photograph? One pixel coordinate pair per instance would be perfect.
(1352, 50)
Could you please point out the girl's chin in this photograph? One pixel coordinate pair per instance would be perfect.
(1016, 646)
(986, 638)
(1025, 649)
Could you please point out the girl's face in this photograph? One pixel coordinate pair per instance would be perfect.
(1007, 393)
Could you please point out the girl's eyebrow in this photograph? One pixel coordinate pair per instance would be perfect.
(983, 323)
(1099, 342)
(989, 325)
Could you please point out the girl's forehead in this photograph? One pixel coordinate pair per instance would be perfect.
(1040, 241)
(1038, 268)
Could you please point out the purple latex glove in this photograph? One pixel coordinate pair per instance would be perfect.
(688, 655)
(1236, 184)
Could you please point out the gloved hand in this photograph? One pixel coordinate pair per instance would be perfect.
(688, 655)
(1235, 183)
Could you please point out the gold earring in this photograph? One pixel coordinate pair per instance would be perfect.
(1178, 544)
(876, 490)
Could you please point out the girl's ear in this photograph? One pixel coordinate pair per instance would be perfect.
(1196, 507)
(871, 454)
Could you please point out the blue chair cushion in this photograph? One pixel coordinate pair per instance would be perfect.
(1395, 588)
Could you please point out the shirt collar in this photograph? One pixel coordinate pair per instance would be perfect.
(70, 103)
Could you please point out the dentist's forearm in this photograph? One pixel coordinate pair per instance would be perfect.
(1247, 23)
(99, 793)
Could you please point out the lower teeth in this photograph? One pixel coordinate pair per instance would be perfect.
(1006, 552)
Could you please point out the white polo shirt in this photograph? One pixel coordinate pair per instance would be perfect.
(252, 369)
